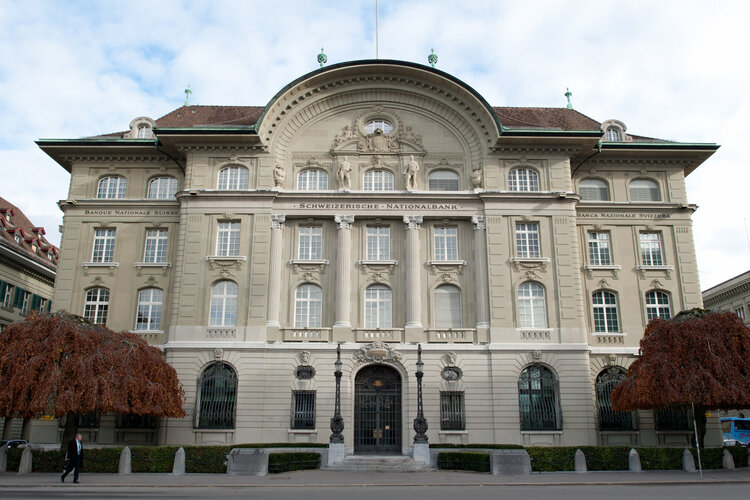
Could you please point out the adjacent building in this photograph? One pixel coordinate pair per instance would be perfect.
(380, 205)
(732, 295)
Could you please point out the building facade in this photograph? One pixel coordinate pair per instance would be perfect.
(732, 295)
(28, 265)
(379, 205)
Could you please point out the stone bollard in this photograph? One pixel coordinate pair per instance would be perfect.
(25, 466)
(124, 467)
(688, 462)
(580, 462)
(634, 461)
(178, 468)
(3, 458)
(727, 460)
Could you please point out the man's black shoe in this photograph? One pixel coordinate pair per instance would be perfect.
(62, 479)
(75, 481)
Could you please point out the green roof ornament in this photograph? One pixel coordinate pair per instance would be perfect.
(187, 95)
(322, 57)
(432, 58)
(568, 94)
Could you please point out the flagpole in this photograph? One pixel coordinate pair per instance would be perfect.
(377, 56)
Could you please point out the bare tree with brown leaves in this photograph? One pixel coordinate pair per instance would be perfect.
(61, 365)
(699, 358)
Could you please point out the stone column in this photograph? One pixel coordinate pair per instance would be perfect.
(274, 278)
(414, 329)
(342, 327)
(481, 278)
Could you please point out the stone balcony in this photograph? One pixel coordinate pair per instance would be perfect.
(306, 334)
(378, 334)
(451, 335)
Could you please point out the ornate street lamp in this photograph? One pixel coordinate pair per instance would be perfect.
(420, 423)
(337, 422)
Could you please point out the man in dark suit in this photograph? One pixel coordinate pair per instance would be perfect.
(75, 458)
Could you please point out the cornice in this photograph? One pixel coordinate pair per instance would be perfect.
(111, 158)
(736, 290)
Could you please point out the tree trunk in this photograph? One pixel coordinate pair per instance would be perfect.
(700, 423)
(69, 431)
(8, 428)
(26, 429)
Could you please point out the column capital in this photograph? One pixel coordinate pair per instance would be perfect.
(413, 221)
(479, 222)
(344, 221)
(277, 220)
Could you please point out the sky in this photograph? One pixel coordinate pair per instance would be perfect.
(674, 70)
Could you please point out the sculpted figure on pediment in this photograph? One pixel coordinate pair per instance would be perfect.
(344, 174)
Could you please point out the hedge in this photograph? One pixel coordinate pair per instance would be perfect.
(739, 453)
(606, 458)
(464, 460)
(285, 462)
(152, 458)
(552, 458)
(484, 446)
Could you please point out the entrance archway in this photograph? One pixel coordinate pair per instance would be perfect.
(377, 410)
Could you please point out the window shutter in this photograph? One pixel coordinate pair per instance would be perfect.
(18, 299)
(35, 301)
(447, 307)
(49, 305)
(3, 287)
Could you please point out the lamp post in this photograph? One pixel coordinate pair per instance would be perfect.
(420, 423)
(337, 422)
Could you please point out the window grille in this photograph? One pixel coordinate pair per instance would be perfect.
(378, 307)
(162, 188)
(312, 180)
(532, 307)
(228, 239)
(651, 254)
(104, 245)
(132, 421)
(378, 243)
(111, 187)
(233, 178)
(609, 419)
(378, 180)
(527, 240)
(308, 307)
(217, 397)
(537, 392)
(674, 418)
(303, 410)
(96, 306)
(657, 305)
(452, 416)
(448, 307)
(443, 180)
(523, 179)
(644, 190)
(593, 190)
(446, 243)
(310, 243)
(155, 250)
(606, 318)
(599, 249)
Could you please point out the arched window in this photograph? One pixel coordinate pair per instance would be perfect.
(523, 179)
(443, 180)
(532, 309)
(378, 307)
(312, 180)
(593, 190)
(606, 318)
(613, 134)
(609, 419)
(217, 397)
(148, 317)
(223, 304)
(308, 306)
(234, 177)
(448, 307)
(537, 395)
(657, 305)
(96, 306)
(372, 125)
(111, 187)
(378, 180)
(644, 190)
(144, 131)
(162, 188)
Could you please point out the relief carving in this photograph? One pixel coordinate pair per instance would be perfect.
(377, 352)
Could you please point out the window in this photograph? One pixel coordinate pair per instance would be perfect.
(162, 188)
(19, 297)
(527, 240)
(25, 303)
(593, 190)
(609, 419)
(17, 238)
(446, 243)
(310, 243)
(372, 125)
(217, 397)
(378, 307)
(228, 239)
(96, 306)
(605, 312)
(38, 303)
(112, 187)
(657, 305)
(537, 393)
(452, 411)
(6, 294)
(233, 178)
(312, 180)
(303, 409)
(133, 421)
(378, 243)
(224, 304)
(599, 249)
(523, 179)
(443, 180)
(155, 250)
(148, 317)
(673, 418)
(378, 180)
(308, 307)
(740, 311)
(104, 245)
(144, 131)
(651, 249)
(532, 309)
(612, 134)
(448, 307)
(644, 190)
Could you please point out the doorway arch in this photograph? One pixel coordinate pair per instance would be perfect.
(377, 410)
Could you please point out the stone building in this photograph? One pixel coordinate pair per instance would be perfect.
(732, 295)
(380, 205)
(28, 264)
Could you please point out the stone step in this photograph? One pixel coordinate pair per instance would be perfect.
(378, 463)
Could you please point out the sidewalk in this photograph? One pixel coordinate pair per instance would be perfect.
(332, 479)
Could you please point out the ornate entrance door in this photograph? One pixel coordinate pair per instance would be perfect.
(377, 410)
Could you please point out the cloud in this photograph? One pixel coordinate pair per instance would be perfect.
(667, 69)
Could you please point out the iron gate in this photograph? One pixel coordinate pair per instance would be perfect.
(377, 410)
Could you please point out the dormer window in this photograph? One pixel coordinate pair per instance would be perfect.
(144, 131)
(33, 248)
(17, 238)
(612, 134)
(141, 128)
(51, 256)
(7, 216)
(614, 131)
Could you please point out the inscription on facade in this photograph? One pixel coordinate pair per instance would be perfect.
(160, 213)
(615, 215)
(378, 206)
